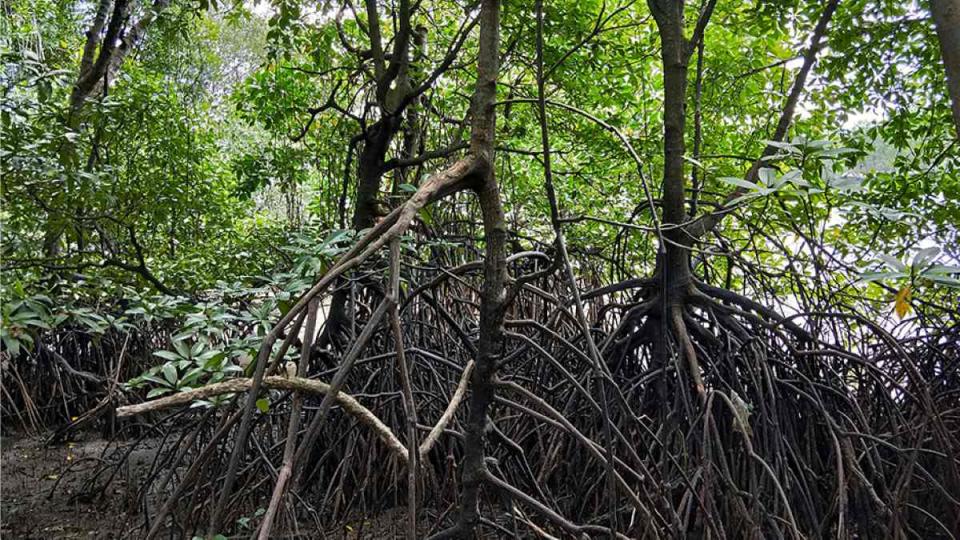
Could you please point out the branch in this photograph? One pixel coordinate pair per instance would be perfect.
(88, 79)
(598, 27)
(443, 66)
(396, 163)
(63, 363)
(314, 111)
(130, 40)
(616, 132)
(376, 45)
(400, 59)
(458, 395)
(93, 38)
(701, 27)
(296, 384)
(574, 290)
(547, 512)
(293, 424)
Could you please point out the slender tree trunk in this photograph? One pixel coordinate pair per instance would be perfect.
(493, 293)
(391, 84)
(946, 20)
(91, 73)
(675, 264)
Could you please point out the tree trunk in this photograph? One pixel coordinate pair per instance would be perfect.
(376, 143)
(370, 172)
(493, 293)
(365, 213)
(675, 262)
(88, 78)
(946, 20)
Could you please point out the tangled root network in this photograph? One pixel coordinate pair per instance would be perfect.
(710, 415)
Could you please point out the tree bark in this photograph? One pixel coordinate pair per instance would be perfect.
(370, 171)
(675, 263)
(132, 38)
(493, 295)
(946, 21)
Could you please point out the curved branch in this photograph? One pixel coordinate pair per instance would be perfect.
(296, 384)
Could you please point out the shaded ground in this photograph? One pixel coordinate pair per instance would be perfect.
(45, 494)
(42, 488)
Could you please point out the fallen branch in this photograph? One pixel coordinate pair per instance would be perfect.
(311, 386)
(296, 384)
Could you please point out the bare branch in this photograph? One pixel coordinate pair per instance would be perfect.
(297, 384)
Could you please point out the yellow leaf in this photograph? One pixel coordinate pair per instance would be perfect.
(901, 303)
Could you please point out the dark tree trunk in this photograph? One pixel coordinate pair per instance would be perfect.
(376, 143)
(370, 172)
(946, 20)
(493, 292)
(675, 262)
(366, 211)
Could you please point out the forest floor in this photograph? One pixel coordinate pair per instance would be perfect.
(41, 488)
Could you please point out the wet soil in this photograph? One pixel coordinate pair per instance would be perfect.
(51, 492)
(45, 491)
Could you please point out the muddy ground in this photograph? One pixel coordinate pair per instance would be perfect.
(48, 492)
(44, 491)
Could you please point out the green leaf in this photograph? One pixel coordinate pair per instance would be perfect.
(874, 276)
(943, 270)
(191, 376)
(167, 355)
(694, 162)
(263, 404)
(924, 256)
(214, 361)
(170, 373)
(158, 392)
(154, 379)
(943, 280)
(783, 146)
(893, 262)
(767, 176)
(12, 344)
(739, 182)
(182, 348)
